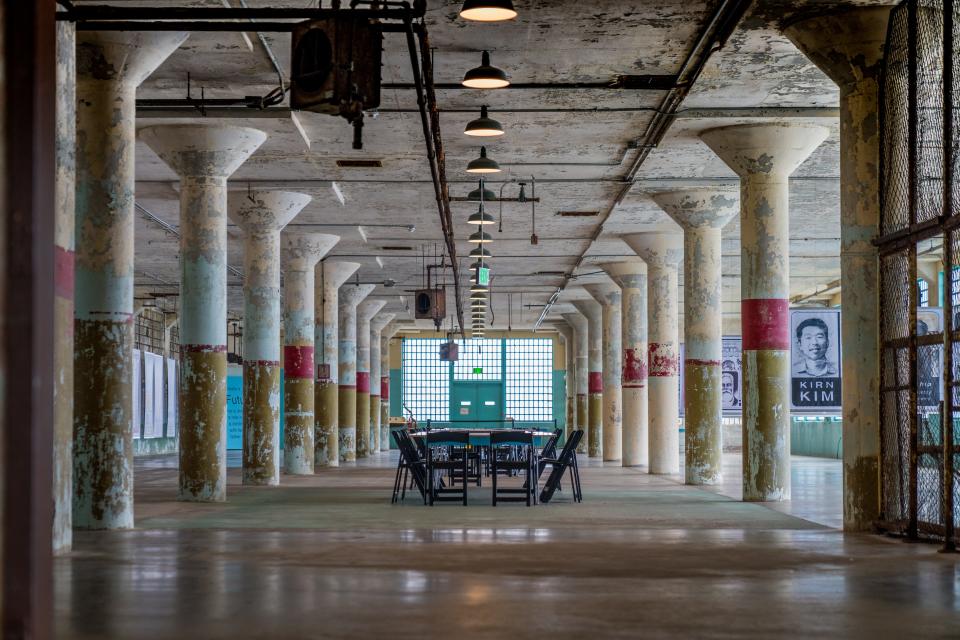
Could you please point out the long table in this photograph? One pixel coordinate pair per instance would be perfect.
(481, 437)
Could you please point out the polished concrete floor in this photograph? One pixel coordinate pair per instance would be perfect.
(642, 557)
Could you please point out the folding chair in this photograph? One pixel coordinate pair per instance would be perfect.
(447, 451)
(566, 460)
(527, 464)
(411, 463)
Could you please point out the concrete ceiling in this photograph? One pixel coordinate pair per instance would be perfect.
(578, 158)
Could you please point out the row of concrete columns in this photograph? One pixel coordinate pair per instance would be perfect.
(93, 487)
(848, 47)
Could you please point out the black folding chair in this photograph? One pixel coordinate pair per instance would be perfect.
(411, 465)
(548, 452)
(447, 452)
(527, 463)
(566, 460)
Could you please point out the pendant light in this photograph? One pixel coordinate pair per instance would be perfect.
(481, 252)
(478, 287)
(483, 164)
(480, 237)
(480, 295)
(484, 126)
(485, 76)
(481, 217)
(475, 195)
(488, 10)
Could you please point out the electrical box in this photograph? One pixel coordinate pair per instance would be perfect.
(335, 66)
(430, 304)
(449, 351)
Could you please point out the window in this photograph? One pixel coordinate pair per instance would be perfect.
(529, 378)
(425, 379)
(923, 293)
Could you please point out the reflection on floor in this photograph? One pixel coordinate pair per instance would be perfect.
(643, 556)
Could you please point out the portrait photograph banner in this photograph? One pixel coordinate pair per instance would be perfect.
(731, 375)
(815, 360)
(929, 360)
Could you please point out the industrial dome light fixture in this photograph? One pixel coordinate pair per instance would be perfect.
(487, 194)
(485, 76)
(479, 287)
(483, 164)
(479, 295)
(488, 10)
(484, 126)
(481, 217)
(481, 252)
(480, 237)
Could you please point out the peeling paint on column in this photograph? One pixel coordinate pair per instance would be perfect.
(594, 433)
(329, 276)
(262, 215)
(848, 47)
(300, 254)
(350, 296)
(582, 342)
(204, 157)
(570, 391)
(702, 213)
(109, 67)
(385, 335)
(365, 312)
(764, 156)
(609, 298)
(63, 289)
(376, 362)
(631, 277)
(662, 252)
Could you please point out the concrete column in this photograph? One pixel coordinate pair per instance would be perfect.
(329, 276)
(110, 66)
(388, 332)
(764, 156)
(590, 309)
(66, 143)
(262, 215)
(350, 297)
(204, 157)
(365, 312)
(582, 343)
(662, 252)
(848, 47)
(609, 298)
(702, 213)
(631, 277)
(566, 332)
(300, 254)
(170, 320)
(377, 325)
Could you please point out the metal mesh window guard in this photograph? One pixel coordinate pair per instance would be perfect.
(426, 379)
(529, 378)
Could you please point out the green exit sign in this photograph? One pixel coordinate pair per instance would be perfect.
(483, 276)
(478, 369)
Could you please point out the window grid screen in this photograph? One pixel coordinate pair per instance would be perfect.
(426, 379)
(478, 352)
(923, 292)
(529, 378)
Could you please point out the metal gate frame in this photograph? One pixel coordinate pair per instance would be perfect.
(919, 204)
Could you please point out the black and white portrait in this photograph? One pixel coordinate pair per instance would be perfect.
(731, 382)
(815, 359)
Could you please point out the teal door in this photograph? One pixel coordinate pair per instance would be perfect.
(472, 403)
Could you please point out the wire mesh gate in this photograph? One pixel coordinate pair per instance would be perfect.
(920, 225)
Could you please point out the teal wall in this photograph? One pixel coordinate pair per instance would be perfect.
(560, 398)
(821, 437)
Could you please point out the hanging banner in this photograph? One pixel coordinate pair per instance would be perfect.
(235, 409)
(137, 422)
(172, 391)
(815, 360)
(731, 375)
(929, 360)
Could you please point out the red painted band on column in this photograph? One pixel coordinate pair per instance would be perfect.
(702, 363)
(634, 367)
(595, 382)
(766, 323)
(204, 348)
(663, 360)
(363, 382)
(298, 361)
(385, 387)
(633, 385)
(63, 272)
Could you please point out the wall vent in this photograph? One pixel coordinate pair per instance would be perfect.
(360, 164)
(578, 214)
